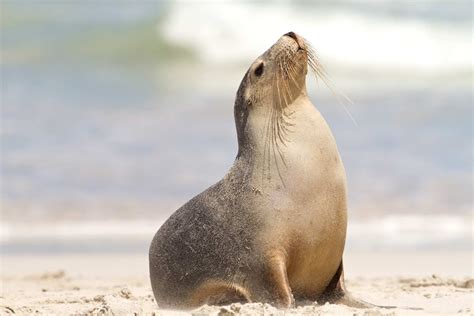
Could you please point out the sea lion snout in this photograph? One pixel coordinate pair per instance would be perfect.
(297, 39)
(292, 35)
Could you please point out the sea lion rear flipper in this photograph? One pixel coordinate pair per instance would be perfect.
(336, 293)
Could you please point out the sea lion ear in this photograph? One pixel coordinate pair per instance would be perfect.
(248, 102)
(247, 96)
(243, 96)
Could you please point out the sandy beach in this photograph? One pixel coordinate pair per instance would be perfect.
(424, 283)
(113, 114)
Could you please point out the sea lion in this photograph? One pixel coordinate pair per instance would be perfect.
(273, 229)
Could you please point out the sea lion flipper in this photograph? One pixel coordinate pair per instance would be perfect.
(281, 291)
(218, 292)
(336, 292)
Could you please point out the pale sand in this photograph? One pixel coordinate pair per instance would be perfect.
(119, 285)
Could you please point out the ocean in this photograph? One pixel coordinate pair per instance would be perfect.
(115, 114)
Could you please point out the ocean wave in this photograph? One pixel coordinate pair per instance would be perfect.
(426, 36)
(387, 232)
(237, 31)
(410, 231)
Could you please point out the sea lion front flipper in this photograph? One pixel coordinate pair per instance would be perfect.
(336, 293)
(281, 293)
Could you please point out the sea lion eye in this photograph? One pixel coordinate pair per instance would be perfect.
(259, 70)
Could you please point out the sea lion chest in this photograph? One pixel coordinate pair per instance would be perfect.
(306, 210)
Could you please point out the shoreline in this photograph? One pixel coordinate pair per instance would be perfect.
(395, 232)
(376, 263)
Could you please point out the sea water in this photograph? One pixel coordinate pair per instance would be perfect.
(114, 115)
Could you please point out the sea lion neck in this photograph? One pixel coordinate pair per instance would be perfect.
(260, 127)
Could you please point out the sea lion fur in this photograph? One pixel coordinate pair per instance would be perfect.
(273, 229)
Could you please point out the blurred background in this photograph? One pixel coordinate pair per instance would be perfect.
(114, 114)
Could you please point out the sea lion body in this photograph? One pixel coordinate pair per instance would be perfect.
(273, 229)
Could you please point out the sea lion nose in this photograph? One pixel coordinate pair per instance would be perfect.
(292, 35)
(297, 39)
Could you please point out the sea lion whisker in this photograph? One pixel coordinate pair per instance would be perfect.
(292, 71)
(267, 142)
(320, 72)
(269, 139)
(279, 106)
(279, 150)
(285, 82)
(286, 95)
(275, 144)
(281, 131)
(280, 91)
(283, 74)
(267, 157)
(288, 84)
(284, 118)
(279, 118)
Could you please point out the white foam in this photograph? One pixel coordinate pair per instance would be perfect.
(237, 31)
(419, 231)
(393, 231)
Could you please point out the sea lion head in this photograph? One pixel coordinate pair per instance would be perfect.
(271, 84)
(281, 68)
